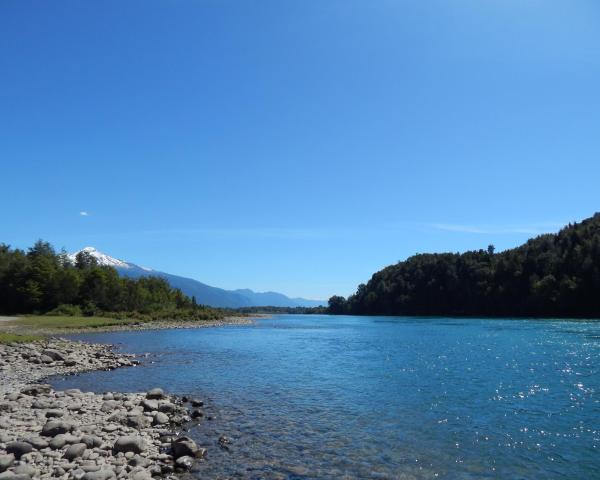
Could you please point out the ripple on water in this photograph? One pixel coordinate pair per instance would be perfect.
(371, 397)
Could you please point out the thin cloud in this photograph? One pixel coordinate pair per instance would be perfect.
(536, 229)
(83, 213)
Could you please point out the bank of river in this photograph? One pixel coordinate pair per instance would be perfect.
(47, 433)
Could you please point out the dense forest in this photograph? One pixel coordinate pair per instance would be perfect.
(551, 275)
(44, 281)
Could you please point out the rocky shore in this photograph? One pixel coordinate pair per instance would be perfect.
(82, 435)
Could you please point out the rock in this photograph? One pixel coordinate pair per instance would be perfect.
(53, 354)
(58, 442)
(53, 427)
(149, 405)
(54, 413)
(129, 444)
(18, 448)
(137, 461)
(197, 414)
(160, 418)
(136, 421)
(25, 469)
(99, 475)
(197, 403)
(46, 359)
(155, 394)
(224, 442)
(37, 442)
(75, 451)
(184, 463)
(71, 439)
(91, 441)
(109, 406)
(13, 476)
(183, 446)
(6, 461)
(167, 407)
(35, 390)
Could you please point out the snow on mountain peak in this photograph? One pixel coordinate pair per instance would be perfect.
(101, 258)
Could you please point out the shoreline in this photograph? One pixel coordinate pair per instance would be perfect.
(11, 325)
(83, 435)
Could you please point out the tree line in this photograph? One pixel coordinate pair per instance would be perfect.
(550, 275)
(40, 280)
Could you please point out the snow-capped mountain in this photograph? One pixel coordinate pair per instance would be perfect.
(205, 294)
(106, 260)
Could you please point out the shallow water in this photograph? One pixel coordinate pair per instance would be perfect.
(380, 397)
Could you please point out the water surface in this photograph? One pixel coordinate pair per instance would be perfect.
(380, 397)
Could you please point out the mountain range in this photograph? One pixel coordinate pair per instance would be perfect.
(205, 294)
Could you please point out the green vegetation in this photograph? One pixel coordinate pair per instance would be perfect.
(15, 338)
(57, 322)
(41, 281)
(551, 275)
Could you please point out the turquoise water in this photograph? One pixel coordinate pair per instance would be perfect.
(381, 397)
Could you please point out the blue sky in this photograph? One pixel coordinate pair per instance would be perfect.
(295, 146)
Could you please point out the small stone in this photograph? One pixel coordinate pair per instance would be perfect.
(149, 405)
(37, 442)
(46, 359)
(183, 446)
(155, 394)
(91, 441)
(53, 427)
(184, 463)
(160, 418)
(99, 475)
(18, 448)
(75, 451)
(54, 413)
(129, 444)
(58, 442)
(25, 469)
(53, 354)
(6, 461)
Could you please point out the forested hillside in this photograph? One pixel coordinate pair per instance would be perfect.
(42, 280)
(551, 275)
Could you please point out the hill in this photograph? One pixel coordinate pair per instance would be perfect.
(204, 294)
(550, 275)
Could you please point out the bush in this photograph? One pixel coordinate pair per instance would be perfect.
(65, 309)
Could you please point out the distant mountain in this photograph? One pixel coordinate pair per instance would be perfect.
(205, 294)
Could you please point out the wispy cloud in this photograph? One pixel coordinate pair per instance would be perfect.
(535, 229)
(83, 213)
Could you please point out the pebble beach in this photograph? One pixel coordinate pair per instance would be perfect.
(83, 435)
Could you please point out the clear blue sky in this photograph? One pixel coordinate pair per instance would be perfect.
(296, 146)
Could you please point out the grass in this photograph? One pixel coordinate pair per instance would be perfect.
(58, 322)
(15, 338)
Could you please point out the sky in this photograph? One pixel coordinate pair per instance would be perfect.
(295, 146)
